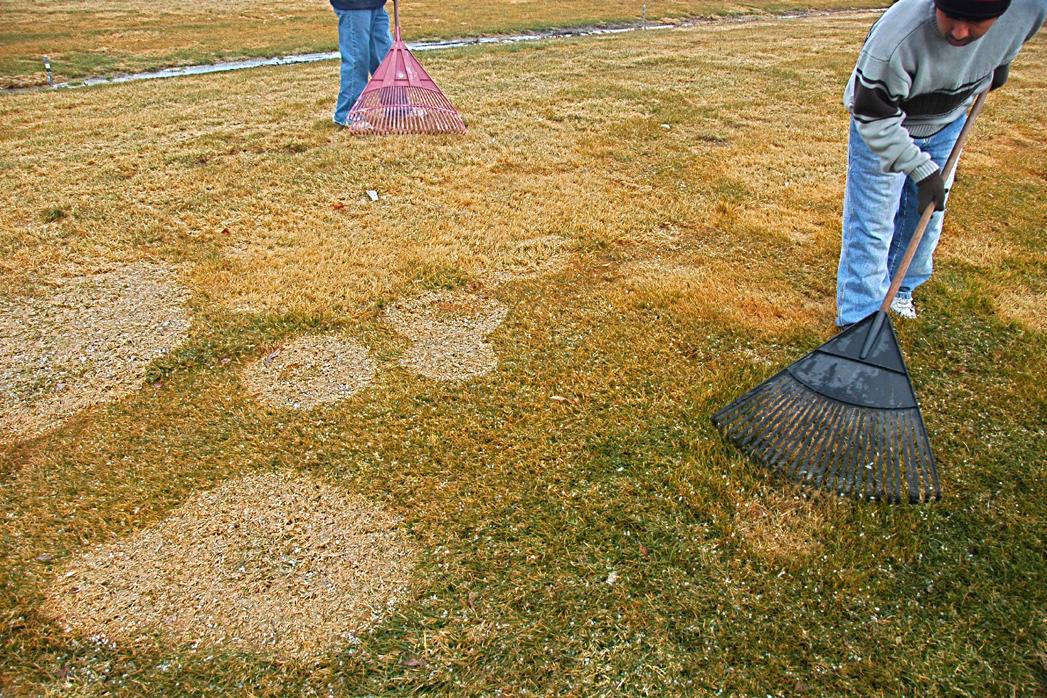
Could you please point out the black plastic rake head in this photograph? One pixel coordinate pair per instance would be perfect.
(843, 418)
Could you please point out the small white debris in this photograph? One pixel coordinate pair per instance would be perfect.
(611, 578)
(372, 194)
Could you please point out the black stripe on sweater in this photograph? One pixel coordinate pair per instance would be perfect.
(941, 102)
(873, 103)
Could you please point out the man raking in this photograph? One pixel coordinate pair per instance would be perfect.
(921, 66)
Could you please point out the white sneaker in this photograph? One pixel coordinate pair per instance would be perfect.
(904, 307)
(358, 124)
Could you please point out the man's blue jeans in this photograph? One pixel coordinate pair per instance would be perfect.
(880, 213)
(363, 41)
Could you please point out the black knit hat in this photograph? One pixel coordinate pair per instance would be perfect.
(973, 10)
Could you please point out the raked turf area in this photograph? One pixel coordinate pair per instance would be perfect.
(264, 435)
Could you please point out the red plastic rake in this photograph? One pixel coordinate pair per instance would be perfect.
(402, 98)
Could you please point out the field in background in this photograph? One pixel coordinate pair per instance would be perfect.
(104, 38)
(580, 526)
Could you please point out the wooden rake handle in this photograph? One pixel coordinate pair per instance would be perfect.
(921, 227)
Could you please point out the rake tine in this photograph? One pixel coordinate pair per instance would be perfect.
(801, 449)
(920, 461)
(790, 429)
(908, 447)
(812, 446)
(784, 417)
(826, 476)
(845, 476)
(765, 423)
(930, 474)
(771, 409)
(873, 455)
(825, 453)
(834, 478)
(932, 469)
(915, 460)
(857, 458)
(888, 461)
(899, 455)
(869, 457)
(766, 386)
(731, 413)
(865, 471)
(898, 459)
(837, 415)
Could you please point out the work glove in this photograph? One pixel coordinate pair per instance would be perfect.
(999, 76)
(932, 189)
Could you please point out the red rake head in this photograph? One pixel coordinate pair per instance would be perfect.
(402, 98)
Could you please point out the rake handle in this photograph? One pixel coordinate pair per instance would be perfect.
(396, 17)
(950, 166)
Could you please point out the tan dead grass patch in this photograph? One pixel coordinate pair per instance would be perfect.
(779, 526)
(310, 371)
(87, 342)
(531, 259)
(448, 331)
(287, 566)
(1027, 308)
(724, 290)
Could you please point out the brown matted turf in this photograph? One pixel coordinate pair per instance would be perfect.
(532, 258)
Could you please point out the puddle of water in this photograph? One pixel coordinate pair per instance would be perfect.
(333, 55)
(417, 46)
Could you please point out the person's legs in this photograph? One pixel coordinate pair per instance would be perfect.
(870, 204)
(939, 146)
(381, 39)
(354, 27)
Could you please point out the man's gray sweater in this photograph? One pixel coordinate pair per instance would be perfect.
(910, 82)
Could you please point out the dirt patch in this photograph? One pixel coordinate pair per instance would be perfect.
(310, 371)
(448, 331)
(532, 259)
(87, 341)
(286, 566)
(1029, 309)
(778, 526)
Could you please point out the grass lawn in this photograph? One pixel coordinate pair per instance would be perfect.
(579, 526)
(103, 37)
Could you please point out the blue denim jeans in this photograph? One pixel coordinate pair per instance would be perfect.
(880, 213)
(363, 41)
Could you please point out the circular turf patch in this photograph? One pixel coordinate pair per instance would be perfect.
(285, 566)
(448, 331)
(311, 371)
(88, 341)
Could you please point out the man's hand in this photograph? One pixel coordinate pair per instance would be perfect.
(932, 190)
